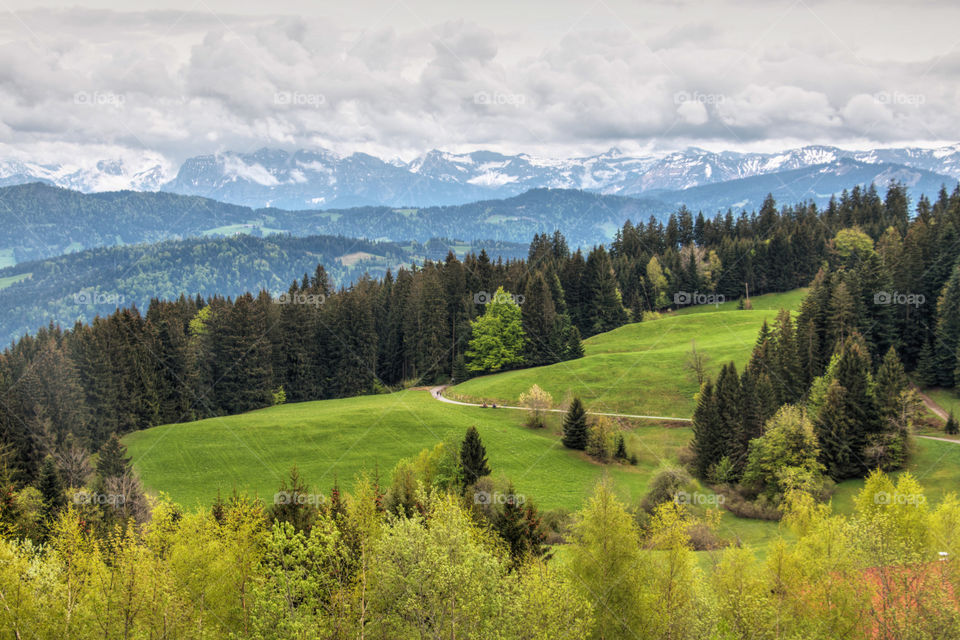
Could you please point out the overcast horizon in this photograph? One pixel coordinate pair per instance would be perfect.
(397, 79)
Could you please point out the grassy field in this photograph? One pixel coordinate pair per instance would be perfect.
(341, 438)
(640, 367)
(9, 280)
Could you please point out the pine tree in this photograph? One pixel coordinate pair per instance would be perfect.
(575, 426)
(620, 453)
(574, 346)
(952, 427)
(510, 523)
(604, 305)
(926, 373)
(707, 436)
(947, 340)
(460, 371)
(727, 396)
(473, 458)
(891, 381)
(786, 375)
(51, 488)
(112, 460)
(543, 345)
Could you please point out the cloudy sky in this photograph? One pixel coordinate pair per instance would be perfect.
(396, 78)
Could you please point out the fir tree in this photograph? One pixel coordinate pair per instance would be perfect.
(620, 453)
(952, 427)
(707, 436)
(473, 458)
(574, 346)
(926, 373)
(891, 381)
(575, 426)
(539, 323)
(947, 340)
(112, 461)
(51, 488)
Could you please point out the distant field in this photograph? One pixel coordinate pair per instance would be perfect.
(9, 280)
(6, 258)
(640, 368)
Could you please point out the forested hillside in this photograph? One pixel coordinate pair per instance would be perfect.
(79, 286)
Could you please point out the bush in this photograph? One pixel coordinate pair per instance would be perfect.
(664, 487)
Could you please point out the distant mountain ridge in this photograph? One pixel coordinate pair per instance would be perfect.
(322, 179)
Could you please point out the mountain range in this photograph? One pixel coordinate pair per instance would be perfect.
(322, 179)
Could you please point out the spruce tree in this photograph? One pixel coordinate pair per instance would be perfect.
(727, 395)
(787, 375)
(51, 488)
(574, 346)
(707, 436)
(575, 426)
(891, 381)
(620, 453)
(543, 345)
(952, 427)
(473, 458)
(926, 373)
(112, 461)
(948, 330)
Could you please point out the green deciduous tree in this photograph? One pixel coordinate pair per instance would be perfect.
(498, 338)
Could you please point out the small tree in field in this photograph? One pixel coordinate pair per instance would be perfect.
(952, 427)
(537, 401)
(600, 439)
(575, 426)
(697, 363)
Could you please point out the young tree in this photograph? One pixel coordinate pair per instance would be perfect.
(498, 338)
(473, 458)
(607, 564)
(696, 363)
(785, 457)
(538, 402)
(575, 426)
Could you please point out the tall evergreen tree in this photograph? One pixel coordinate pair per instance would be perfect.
(708, 437)
(112, 460)
(473, 458)
(575, 426)
(543, 345)
(948, 330)
(51, 488)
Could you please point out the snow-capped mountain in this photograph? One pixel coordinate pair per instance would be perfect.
(148, 173)
(322, 179)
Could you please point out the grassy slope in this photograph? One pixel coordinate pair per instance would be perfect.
(640, 368)
(341, 438)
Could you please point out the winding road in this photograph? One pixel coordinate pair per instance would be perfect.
(437, 393)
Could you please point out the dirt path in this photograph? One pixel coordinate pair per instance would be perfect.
(437, 393)
(933, 406)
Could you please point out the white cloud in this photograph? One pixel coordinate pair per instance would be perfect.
(185, 83)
